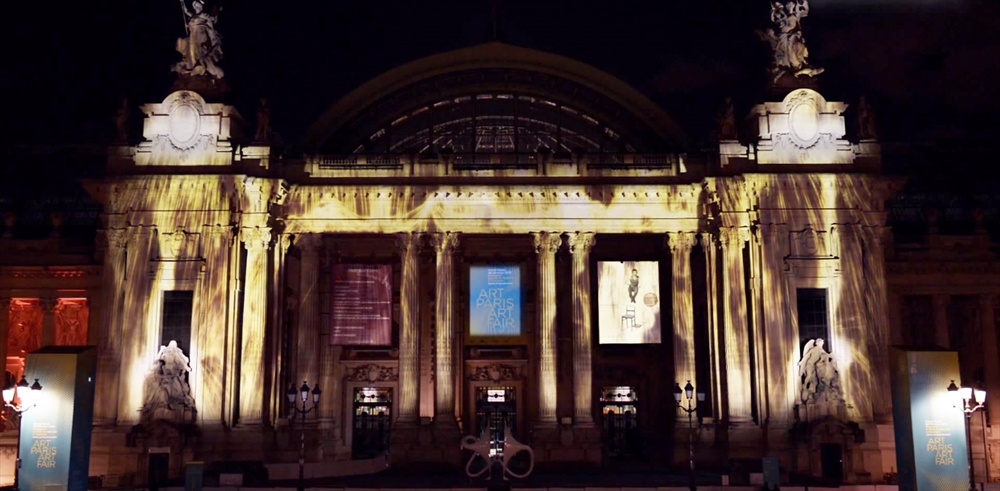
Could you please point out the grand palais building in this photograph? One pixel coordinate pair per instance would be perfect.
(496, 242)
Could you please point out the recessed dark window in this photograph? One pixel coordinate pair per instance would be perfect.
(814, 315)
(177, 308)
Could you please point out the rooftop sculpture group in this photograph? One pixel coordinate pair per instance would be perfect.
(787, 43)
(201, 50)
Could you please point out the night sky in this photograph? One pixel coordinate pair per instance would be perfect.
(929, 67)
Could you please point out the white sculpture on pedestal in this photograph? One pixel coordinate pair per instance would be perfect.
(166, 384)
(482, 446)
(787, 43)
(818, 375)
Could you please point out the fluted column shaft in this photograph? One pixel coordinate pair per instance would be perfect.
(683, 306)
(409, 335)
(109, 336)
(546, 245)
(308, 346)
(736, 337)
(256, 240)
(444, 349)
(877, 299)
(580, 245)
(135, 352)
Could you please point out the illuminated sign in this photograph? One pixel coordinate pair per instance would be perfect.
(495, 300)
(55, 433)
(361, 310)
(628, 300)
(930, 431)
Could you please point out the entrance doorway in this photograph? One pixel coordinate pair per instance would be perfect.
(496, 410)
(372, 422)
(159, 470)
(832, 461)
(619, 409)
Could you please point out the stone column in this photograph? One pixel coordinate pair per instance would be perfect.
(277, 398)
(546, 245)
(941, 336)
(256, 240)
(580, 245)
(409, 332)
(782, 354)
(991, 371)
(308, 345)
(135, 355)
(444, 332)
(680, 244)
(737, 363)
(109, 335)
(879, 326)
(709, 247)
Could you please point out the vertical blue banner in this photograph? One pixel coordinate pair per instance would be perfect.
(931, 449)
(495, 300)
(55, 433)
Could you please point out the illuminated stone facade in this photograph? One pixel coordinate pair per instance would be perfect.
(557, 168)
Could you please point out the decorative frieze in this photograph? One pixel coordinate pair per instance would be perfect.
(496, 372)
(372, 373)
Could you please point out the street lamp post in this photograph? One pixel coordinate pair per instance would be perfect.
(967, 400)
(690, 409)
(26, 398)
(299, 407)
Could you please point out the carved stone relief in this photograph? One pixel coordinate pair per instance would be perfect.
(372, 373)
(25, 331)
(495, 373)
(811, 243)
(71, 318)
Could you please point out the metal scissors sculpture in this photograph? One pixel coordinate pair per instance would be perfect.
(481, 447)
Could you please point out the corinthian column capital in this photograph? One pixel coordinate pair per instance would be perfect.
(408, 242)
(256, 238)
(681, 242)
(117, 237)
(445, 242)
(580, 242)
(734, 236)
(546, 242)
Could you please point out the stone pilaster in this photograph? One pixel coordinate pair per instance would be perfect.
(879, 325)
(942, 337)
(852, 330)
(211, 328)
(48, 305)
(277, 399)
(987, 319)
(782, 353)
(709, 247)
(136, 355)
(308, 332)
(109, 335)
(680, 244)
(737, 355)
(580, 245)
(257, 241)
(546, 245)
(409, 335)
(444, 332)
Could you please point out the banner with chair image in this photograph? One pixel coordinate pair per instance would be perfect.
(628, 301)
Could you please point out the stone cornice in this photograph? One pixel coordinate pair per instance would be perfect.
(49, 271)
(973, 268)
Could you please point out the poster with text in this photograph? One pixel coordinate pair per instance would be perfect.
(628, 302)
(930, 431)
(361, 310)
(495, 300)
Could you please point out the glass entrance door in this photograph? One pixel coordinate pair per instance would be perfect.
(496, 410)
(621, 423)
(372, 422)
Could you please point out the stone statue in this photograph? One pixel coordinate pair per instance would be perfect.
(727, 121)
(818, 375)
(122, 118)
(167, 385)
(263, 121)
(866, 121)
(786, 40)
(201, 50)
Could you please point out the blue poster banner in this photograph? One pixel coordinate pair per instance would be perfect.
(930, 431)
(495, 300)
(55, 433)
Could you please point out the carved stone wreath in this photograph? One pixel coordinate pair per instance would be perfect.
(372, 373)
